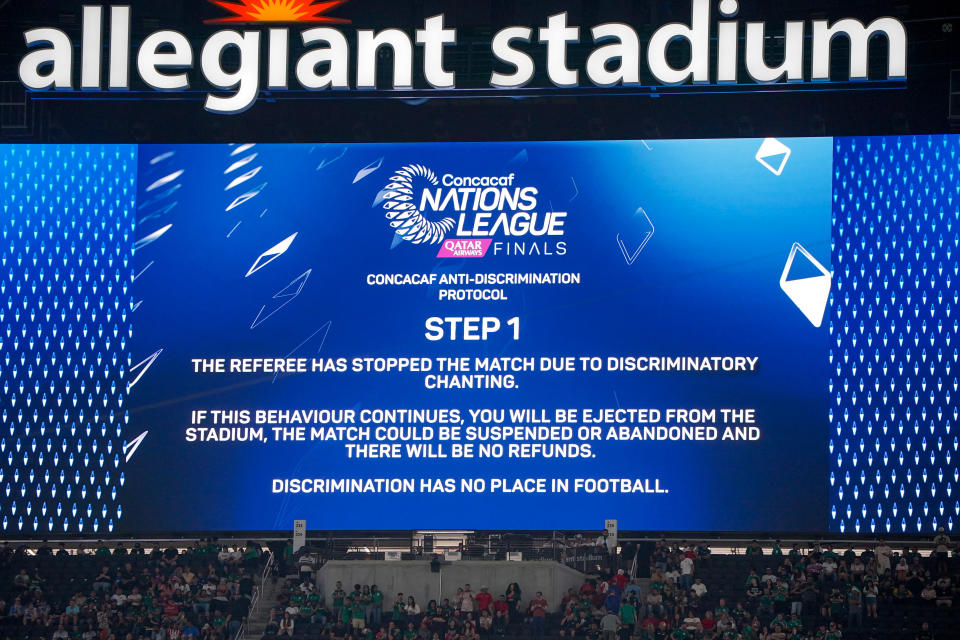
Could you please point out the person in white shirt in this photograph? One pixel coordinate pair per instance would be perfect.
(601, 540)
(769, 576)
(829, 570)
(692, 623)
(699, 588)
(465, 600)
(611, 544)
(883, 553)
(686, 572)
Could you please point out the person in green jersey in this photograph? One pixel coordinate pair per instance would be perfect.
(357, 616)
(376, 607)
(399, 609)
(628, 615)
(794, 623)
(346, 612)
(679, 634)
(305, 612)
(337, 598)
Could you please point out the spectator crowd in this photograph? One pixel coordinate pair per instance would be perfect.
(125, 593)
(819, 593)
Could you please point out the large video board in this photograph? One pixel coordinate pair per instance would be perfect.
(737, 335)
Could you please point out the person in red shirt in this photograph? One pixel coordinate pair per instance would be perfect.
(708, 622)
(483, 599)
(538, 615)
(621, 579)
(501, 605)
(587, 587)
(170, 609)
(650, 621)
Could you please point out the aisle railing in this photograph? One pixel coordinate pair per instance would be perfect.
(256, 599)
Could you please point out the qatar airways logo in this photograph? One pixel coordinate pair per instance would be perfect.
(269, 55)
(470, 216)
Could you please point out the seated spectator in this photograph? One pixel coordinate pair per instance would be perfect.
(286, 625)
(655, 604)
(699, 588)
(485, 623)
(944, 592)
(692, 624)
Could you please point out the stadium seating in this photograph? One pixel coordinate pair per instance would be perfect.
(126, 594)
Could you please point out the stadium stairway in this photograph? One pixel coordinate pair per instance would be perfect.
(260, 615)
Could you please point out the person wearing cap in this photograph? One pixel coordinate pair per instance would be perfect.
(621, 579)
(483, 599)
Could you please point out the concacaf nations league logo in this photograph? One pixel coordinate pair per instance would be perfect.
(405, 217)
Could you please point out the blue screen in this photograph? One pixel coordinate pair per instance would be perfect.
(682, 335)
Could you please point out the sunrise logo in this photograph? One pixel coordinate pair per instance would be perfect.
(279, 11)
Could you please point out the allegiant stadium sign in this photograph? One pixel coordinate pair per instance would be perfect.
(166, 60)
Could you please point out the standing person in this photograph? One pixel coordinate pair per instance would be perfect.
(538, 615)
(854, 608)
(870, 594)
(628, 615)
(467, 603)
(337, 598)
(399, 609)
(358, 615)
(365, 601)
(376, 607)
(484, 599)
(883, 553)
(412, 610)
(609, 626)
(942, 550)
(686, 573)
(513, 599)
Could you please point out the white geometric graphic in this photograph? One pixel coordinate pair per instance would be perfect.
(242, 148)
(165, 180)
(153, 237)
(240, 163)
(243, 178)
(143, 271)
(270, 255)
(131, 447)
(143, 365)
(809, 294)
(367, 170)
(246, 197)
(631, 256)
(774, 155)
(163, 156)
(283, 297)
